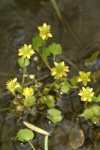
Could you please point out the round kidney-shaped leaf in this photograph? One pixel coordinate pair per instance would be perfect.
(24, 135)
(21, 62)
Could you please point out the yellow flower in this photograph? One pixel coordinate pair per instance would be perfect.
(59, 70)
(84, 77)
(28, 92)
(45, 31)
(86, 94)
(26, 51)
(12, 85)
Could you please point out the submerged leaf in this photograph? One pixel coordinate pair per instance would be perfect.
(76, 138)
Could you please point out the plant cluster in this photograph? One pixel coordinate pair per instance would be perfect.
(43, 98)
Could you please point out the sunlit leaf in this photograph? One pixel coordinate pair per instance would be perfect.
(65, 87)
(88, 113)
(24, 135)
(45, 54)
(37, 42)
(96, 109)
(96, 99)
(22, 60)
(50, 101)
(54, 115)
(29, 101)
(55, 48)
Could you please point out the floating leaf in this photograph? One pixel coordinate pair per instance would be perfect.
(54, 115)
(96, 109)
(88, 113)
(21, 62)
(37, 42)
(55, 48)
(29, 101)
(24, 135)
(65, 87)
(56, 86)
(96, 99)
(50, 101)
(76, 138)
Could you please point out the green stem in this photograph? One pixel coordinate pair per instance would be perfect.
(56, 9)
(65, 22)
(46, 63)
(31, 145)
(42, 113)
(24, 72)
(85, 105)
(5, 109)
(46, 143)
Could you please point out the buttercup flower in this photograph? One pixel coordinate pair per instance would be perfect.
(84, 77)
(45, 31)
(11, 85)
(86, 94)
(59, 70)
(28, 92)
(26, 51)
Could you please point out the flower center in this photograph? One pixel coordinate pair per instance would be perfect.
(59, 68)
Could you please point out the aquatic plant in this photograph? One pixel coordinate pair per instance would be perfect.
(38, 98)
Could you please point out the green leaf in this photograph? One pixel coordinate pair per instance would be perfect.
(88, 113)
(45, 91)
(37, 42)
(46, 51)
(96, 99)
(54, 115)
(96, 109)
(45, 54)
(21, 62)
(76, 138)
(73, 81)
(55, 48)
(29, 101)
(19, 89)
(50, 101)
(65, 87)
(56, 86)
(24, 135)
